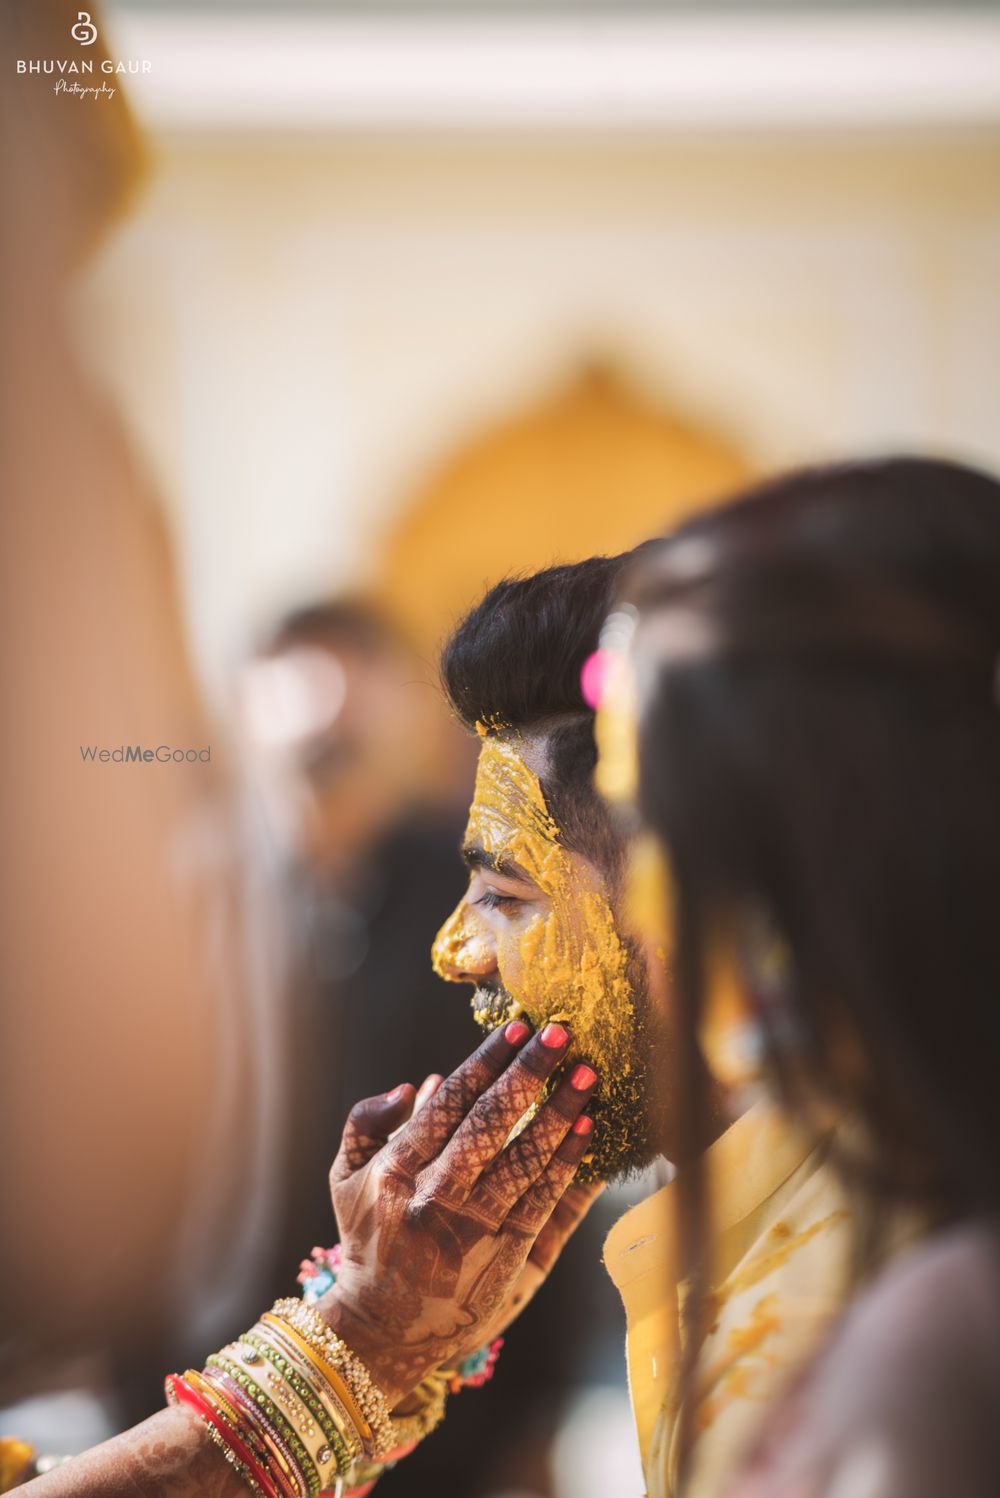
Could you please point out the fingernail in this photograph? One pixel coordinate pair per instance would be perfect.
(554, 1036)
(396, 1093)
(583, 1124)
(516, 1031)
(582, 1078)
(426, 1090)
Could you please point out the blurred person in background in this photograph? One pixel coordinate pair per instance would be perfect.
(111, 1096)
(362, 778)
(814, 700)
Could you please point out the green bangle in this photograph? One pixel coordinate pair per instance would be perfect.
(268, 1407)
(298, 1385)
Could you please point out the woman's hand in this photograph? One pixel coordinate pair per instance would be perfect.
(438, 1222)
(566, 1217)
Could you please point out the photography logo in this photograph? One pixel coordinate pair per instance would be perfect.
(84, 31)
(62, 69)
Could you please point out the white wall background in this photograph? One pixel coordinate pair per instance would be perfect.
(299, 324)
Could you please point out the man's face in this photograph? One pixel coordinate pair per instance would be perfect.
(536, 934)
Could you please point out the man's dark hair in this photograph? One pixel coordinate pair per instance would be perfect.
(514, 663)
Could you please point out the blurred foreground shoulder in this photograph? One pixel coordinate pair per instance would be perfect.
(903, 1402)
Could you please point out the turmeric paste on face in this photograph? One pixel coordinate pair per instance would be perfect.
(567, 962)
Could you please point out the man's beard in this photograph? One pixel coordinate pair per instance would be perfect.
(492, 1005)
(623, 1134)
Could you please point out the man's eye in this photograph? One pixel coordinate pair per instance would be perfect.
(493, 901)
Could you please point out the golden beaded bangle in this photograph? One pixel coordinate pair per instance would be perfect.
(335, 1424)
(286, 1469)
(301, 1365)
(273, 1415)
(315, 1418)
(348, 1369)
(340, 1394)
(324, 1345)
(363, 1388)
(233, 1460)
(325, 1446)
(264, 1443)
(407, 1432)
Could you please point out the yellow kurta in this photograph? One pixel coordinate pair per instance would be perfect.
(781, 1234)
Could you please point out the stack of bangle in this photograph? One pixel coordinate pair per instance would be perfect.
(290, 1405)
(296, 1413)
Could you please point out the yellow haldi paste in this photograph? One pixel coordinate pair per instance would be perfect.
(568, 962)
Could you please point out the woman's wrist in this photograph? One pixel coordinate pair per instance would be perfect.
(293, 1408)
(392, 1373)
(168, 1455)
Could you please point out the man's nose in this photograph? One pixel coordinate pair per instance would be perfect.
(461, 954)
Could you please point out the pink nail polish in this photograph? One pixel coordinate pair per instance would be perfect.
(516, 1031)
(583, 1124)
(582, 1078)
(554, 1036)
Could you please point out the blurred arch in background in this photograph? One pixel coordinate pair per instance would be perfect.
(594, 468)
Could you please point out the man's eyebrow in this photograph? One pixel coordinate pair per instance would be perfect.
(478, 858)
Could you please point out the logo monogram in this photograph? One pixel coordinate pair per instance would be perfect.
(84, 31)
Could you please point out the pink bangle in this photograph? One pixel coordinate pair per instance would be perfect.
(265, 1432)
(179, 1391)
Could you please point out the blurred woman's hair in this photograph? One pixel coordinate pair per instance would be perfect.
(819, 746)
(819, 755)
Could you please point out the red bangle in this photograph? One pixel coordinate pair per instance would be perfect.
(241, 1401)
(179, 1391)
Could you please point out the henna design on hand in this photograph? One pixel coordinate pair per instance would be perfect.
(437, 1222)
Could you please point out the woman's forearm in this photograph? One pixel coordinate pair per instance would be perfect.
(420, 1273)
(169, 1455)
